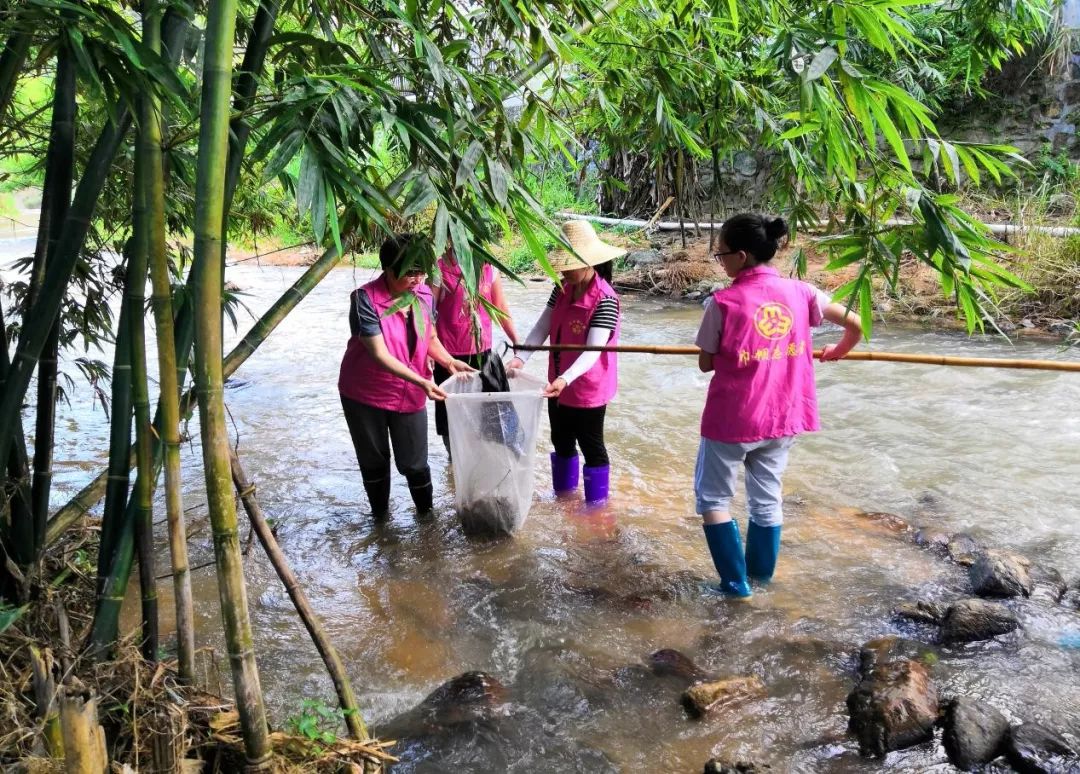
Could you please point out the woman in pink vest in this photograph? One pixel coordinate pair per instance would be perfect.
(583, 310)
(465, 330)
(755, 338)
(385, 381)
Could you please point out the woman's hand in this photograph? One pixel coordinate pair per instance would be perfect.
(515, 364)
(554, 389)
(459, 367)
(434, 391)
(832, 352)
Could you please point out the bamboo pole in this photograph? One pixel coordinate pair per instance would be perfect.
(56, 199)
(17, 529)
(84, 738)
(149, 150)
(246, 490)
(208, 366)
(141, 503)
(887, 357)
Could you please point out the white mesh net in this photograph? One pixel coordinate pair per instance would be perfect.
(493, 444)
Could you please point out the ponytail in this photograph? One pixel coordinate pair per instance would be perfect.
(758, 235)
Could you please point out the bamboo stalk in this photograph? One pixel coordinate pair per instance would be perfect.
(149, 150)
(207, 271)
(84, 738)
(45, 707)
(56, 198)
(141, 503)
(17, 530)
(11, 62)
(246, 490)
(889, 357)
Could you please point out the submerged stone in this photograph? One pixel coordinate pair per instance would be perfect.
(893, 707)
(1001, 574)
(921, 611)
(672, 663)
(975, 733)
(963, 548)
(467, 697)
(1035, 749)
(971, 620)
(722, 766)
(1047, 584)
(703, 698)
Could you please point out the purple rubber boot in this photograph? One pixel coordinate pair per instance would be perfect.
(564, 473)
(596, 484)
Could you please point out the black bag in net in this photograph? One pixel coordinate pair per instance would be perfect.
(499, 420)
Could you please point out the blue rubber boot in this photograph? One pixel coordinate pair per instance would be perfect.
(727, 555)
(762, 548)
(564, 473)
(597, 481)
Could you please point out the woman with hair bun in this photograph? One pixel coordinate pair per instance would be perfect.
(755, 339)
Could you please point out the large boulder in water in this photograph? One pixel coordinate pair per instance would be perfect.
(1001, 574)
(1035, 749)
(894, 706)
(722, 766)
(971, 620)
(975, 733)
(468, 697)
(1047, 584)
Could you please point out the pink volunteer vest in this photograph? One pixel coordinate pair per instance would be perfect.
(763, 383)
(362, 379)
(455, 322)
(570, 325)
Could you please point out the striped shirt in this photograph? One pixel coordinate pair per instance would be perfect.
(606, 314)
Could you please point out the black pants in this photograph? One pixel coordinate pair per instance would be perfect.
(571, 427)
(440, 376)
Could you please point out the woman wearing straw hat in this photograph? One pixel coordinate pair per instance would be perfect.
(583, 310)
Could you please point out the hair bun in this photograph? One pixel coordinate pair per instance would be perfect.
(776, 228)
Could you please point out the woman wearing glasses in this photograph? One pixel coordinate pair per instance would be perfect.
(385, 381)
(755, 339)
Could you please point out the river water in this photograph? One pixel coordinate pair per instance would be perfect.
(566, 613)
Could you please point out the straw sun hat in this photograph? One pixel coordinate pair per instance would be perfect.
(590, 250)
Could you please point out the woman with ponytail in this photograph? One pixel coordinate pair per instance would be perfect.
(755, 339)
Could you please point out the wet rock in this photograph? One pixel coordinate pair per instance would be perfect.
(703, 698)
(882, 650)
(893, 707)
(1047, 584)
(922, 611)
(1000, 574)
(1061, 204)
(467, 697)
(694, 295)
(637, 258)
(971, 620)
(722, 766)
(975, 733)
(963, 549)
(1035, 749)
(935, 539)
(671, 663)
(889, 521)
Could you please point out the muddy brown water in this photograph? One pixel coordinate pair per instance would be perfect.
(566, 612)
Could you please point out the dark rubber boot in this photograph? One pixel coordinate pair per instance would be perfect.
(422, 491)
(377, 486)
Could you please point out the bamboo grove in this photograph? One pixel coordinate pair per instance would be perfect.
(167, 122)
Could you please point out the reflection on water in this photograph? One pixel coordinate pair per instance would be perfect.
(566, 612)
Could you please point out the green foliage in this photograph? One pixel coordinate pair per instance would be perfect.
(9, 615)
(1056, 168)
(317, 722)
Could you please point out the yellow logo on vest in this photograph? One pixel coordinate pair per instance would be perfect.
(773, 320)
(577, 327)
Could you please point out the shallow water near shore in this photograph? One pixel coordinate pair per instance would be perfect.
(566, 612)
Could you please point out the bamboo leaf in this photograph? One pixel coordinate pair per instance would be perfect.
(822, 61)
(888, 129)
(466, 169)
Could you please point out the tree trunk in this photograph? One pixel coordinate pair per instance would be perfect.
(209, 380)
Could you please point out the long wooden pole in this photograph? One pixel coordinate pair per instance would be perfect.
(888, 357)
(330, 657)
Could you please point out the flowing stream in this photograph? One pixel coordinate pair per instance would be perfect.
(566, 613)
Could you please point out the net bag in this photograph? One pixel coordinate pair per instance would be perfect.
(493, 445)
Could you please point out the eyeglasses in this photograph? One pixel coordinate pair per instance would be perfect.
(718, 256)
